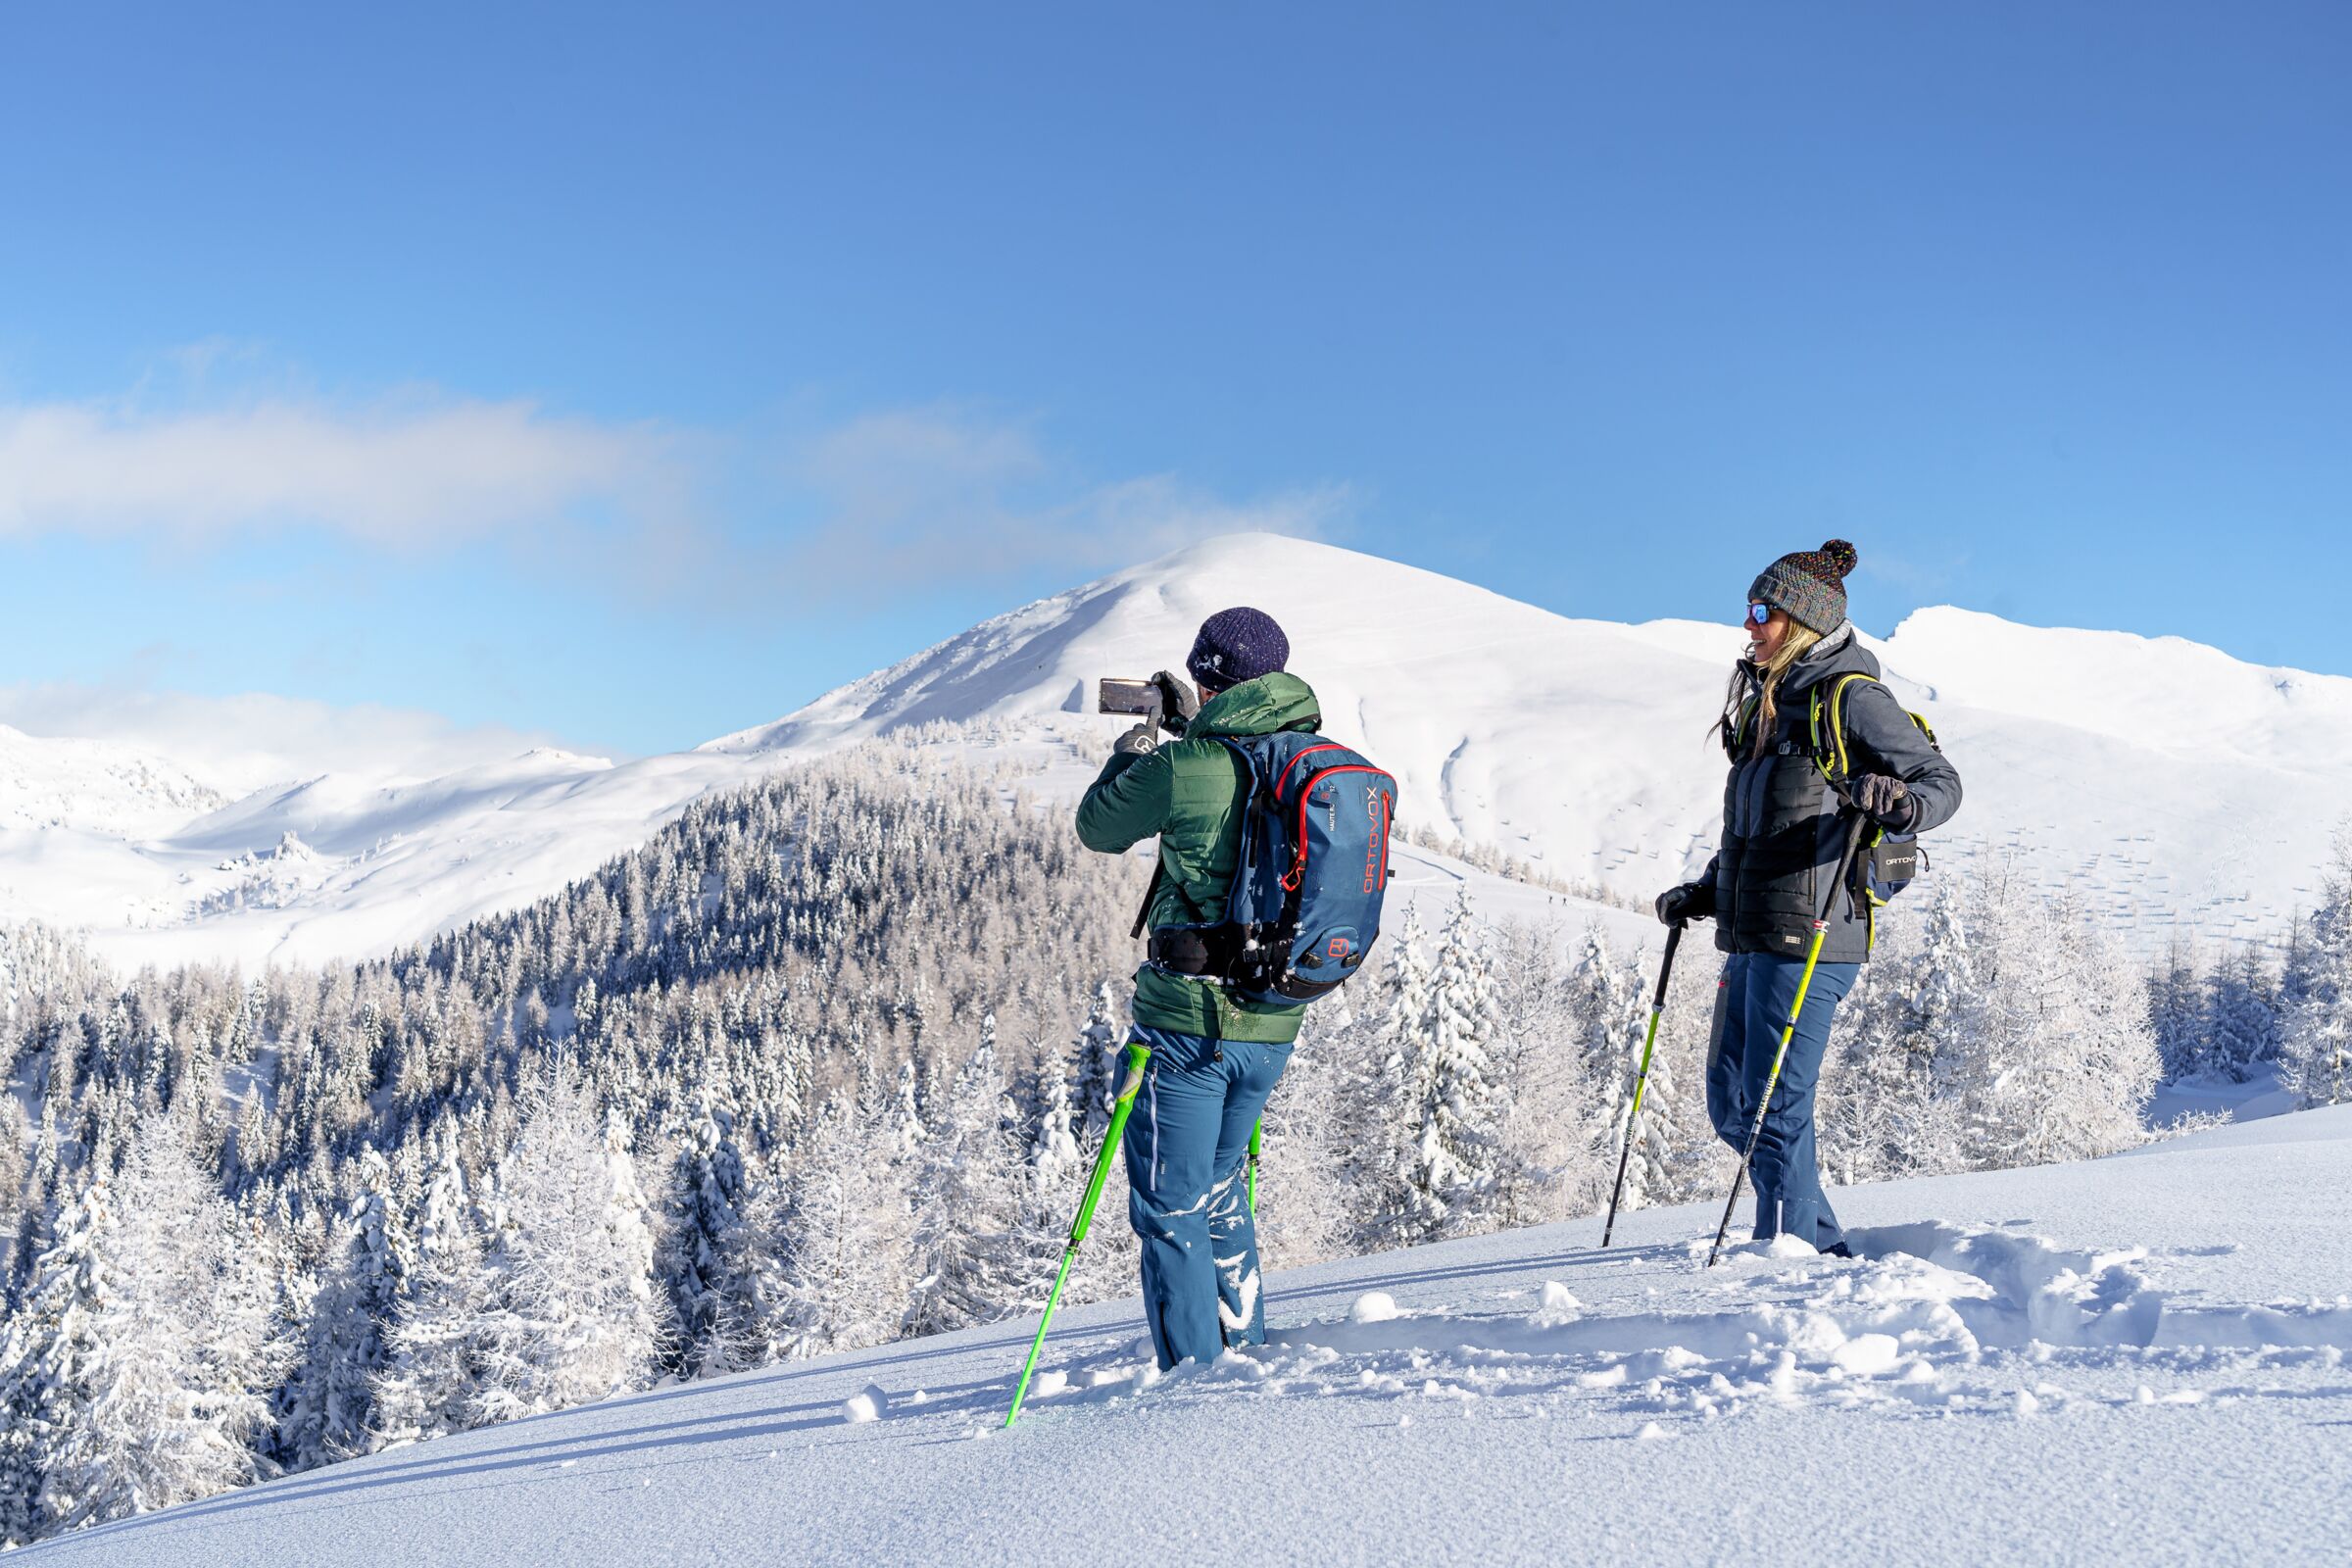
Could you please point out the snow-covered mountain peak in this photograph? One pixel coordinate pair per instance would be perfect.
(101, 785)
(1362, 630)
(2164, 693)
(2151, 777)
(2161, 782)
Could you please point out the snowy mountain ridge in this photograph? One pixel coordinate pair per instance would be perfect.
(2159, 781)
(95, 786)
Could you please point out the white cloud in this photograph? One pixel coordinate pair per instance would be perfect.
(420, 470)
(917, 497)
(245, 743)
(893, 500)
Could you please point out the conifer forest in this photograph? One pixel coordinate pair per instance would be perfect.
(824, 1064)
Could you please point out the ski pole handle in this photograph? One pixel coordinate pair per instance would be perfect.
(1674, 940)
(1138, 1054)
(1257, 1133)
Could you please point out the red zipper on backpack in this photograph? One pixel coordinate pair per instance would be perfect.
(1289, 883)
(1327, 745)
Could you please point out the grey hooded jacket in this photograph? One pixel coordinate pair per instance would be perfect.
(1782, 834)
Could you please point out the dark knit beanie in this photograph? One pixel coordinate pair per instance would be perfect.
(1809, 584)
(1237, 644)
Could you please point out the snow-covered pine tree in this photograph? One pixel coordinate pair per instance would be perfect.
(50, 1358)
(840, 1278)
(1307, 1209)
(965, 1195)
(326, 1410)
(1928, 1130)
(1404, 1009)
(572, 1317)
(432, 1358)
(1894, 1098)
(2241, 1016)
(1048, 1187)
(629, 1221)
(441, 1210)
(2176, 1008)
(1603, 1025)
(14, 1133)
(1455, 1108)
(1674, 1143)
(169, 1395)
(1098, 1067)
(2063, 1060)
(1385, 1102)
(704, 1262)
(906, 1130)
(2315, 1044)
(2317, 1061)
(256, 1327)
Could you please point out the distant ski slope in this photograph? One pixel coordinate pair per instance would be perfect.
(2164, 784)
(2129, 1361)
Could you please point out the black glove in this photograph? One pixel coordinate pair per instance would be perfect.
(1178, 706)
(1137, 742)
(1884, 801)
(1692, 901)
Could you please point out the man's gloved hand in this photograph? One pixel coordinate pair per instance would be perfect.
(1692, 901)
(1884, 801)
(1178, 705)
(1140, 741)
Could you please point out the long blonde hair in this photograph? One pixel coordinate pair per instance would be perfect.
(1798, 641)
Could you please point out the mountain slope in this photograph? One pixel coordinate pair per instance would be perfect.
(2168, 786)
(97, 786)
(2163, 783)
(2130, 1360)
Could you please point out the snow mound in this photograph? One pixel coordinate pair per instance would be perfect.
(2161, 1345)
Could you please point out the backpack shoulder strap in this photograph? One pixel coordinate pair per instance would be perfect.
(1735, 722)
(1829, 751)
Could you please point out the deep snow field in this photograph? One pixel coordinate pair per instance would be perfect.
(2132, 1360)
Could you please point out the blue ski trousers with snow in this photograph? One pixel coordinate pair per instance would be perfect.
(1751, 1008)
(1187, 1142)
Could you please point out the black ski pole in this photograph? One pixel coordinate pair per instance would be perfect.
(1633, 1118)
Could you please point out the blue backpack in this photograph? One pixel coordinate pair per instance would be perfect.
(1304, 906)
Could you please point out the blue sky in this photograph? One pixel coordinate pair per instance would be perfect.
(633, 376)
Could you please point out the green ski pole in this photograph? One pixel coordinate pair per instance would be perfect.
(1633, 1118)
(1821, 932)
(1137, 1054)
(1256, 1135)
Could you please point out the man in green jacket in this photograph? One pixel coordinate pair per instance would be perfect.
(1215, 1058)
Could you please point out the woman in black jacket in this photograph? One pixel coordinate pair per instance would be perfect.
(1813, 735)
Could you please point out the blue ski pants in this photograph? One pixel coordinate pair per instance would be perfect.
(1751, 1008)
(1186, 1144)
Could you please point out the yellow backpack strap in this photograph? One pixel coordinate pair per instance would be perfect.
(1832, 750)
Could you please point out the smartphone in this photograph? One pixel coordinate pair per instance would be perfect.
(1128, 697)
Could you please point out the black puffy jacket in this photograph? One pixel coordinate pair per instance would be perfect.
(1782, 836)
